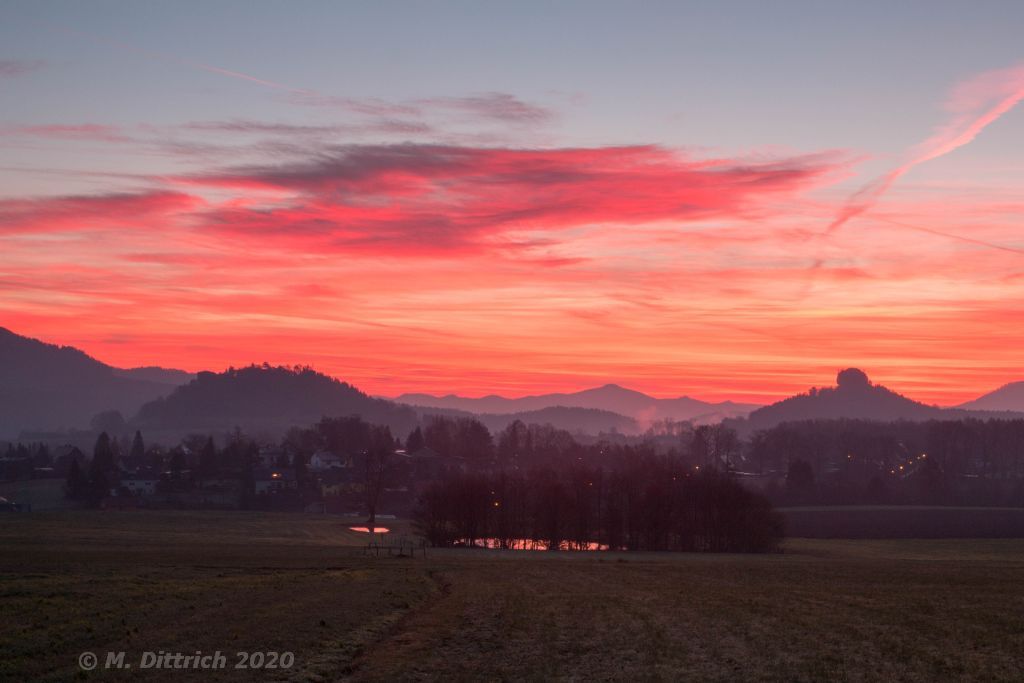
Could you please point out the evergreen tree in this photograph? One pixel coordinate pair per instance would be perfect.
(76, 483)
(208, 457)
(248, 477)
(42, 457)
(299, 465)
(101, 467)
(414, 441)
(177, 462)
(138, 448)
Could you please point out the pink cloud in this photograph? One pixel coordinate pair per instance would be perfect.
(432, 197)
(90, 212)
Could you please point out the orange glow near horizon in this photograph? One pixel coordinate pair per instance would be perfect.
(473, 269)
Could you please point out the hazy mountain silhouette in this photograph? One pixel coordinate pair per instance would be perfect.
(855, 397)
(611, 397)
(575, 420)
(49, 387)
(267, 400)
(1007, 397)
(45, 387)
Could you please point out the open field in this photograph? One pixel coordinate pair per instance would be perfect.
(904, 521)
(43, 495)
(919, 610)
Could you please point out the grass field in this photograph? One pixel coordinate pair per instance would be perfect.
(904, 521)
(916, 610)
(41, 494)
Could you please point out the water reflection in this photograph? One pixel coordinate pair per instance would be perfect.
(528, 544)
(366, 530)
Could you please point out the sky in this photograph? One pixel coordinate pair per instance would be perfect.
(727, 200)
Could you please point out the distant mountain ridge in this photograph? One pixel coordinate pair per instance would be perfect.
(269, 400)
(575, 420)
(49, 387)
(610, 397)
(1007, 397)
(46, 388)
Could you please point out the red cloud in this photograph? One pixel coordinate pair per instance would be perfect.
(433, 196)
(434, 199)
(89, 212)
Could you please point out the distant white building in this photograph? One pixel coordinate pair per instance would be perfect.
(140, 486)
(323, 460)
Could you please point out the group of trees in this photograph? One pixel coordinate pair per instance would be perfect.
(368, 445)
(938, 462)
(94, 484)
(462, 437)
(647, 503)
(962, 462)
(20, 460)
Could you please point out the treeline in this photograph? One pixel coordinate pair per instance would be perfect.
(19, 461)
(993, 448)
(939, 462)
(651, 503)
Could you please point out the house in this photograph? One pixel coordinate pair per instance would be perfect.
(140, 485)
(338, 482)
(219, 482)
(325, 460)
(267, 480)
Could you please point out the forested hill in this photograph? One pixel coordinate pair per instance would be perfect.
(266, 399)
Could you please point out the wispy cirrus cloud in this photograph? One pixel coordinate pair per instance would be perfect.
(248, 126)
(497, 106)
(10, 68)
(82, 131)
(490, 106)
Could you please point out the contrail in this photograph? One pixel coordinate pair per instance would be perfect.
(952, 236)
(185, 62)
(1005, 84)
